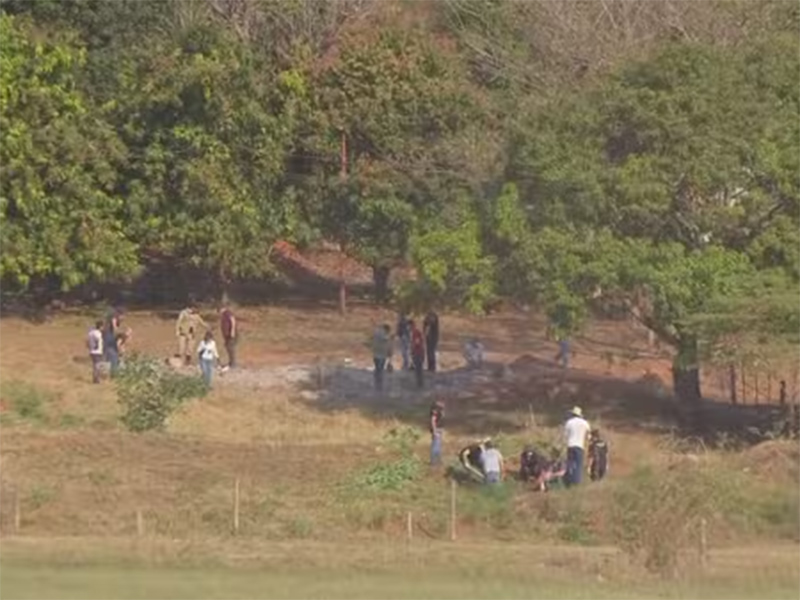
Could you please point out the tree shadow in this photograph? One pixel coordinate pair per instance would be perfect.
(527, 394)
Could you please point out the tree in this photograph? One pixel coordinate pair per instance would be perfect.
(209, 126)
(61, 217)
(680, 172)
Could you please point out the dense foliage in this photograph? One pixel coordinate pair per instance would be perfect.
(635, 155)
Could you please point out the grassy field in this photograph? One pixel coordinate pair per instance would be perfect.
(153, 569)
(75, 480)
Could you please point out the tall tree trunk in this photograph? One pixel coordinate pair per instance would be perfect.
(380, 278)
(224, 287)
(686, 371)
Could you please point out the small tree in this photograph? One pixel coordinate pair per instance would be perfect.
(149, 394)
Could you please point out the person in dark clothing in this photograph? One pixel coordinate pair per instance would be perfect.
(111, 331)
(417, 352)
(598, 456)
(230, 333)
(538, 469)
(470, 458)
(404, 335)
(431, 328)
(437, 430)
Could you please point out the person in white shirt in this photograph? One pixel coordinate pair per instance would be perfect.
(492, 462)
(473, 353)
(576, 432)
(95, 344)
(207, 352)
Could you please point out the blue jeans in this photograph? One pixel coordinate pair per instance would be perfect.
(492, 477)
(574, 466)
(112, 356)
(436, 447)
(207, 367)
(563, 353)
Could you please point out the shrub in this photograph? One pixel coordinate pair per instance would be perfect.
(394, 474)
(27, 400)
(657, 515)
(148, 393)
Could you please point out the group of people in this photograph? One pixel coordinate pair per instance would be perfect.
(107, 339)
(484, 462)
(416, 346)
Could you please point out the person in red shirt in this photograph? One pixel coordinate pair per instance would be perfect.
(230, 333)
(417, 351)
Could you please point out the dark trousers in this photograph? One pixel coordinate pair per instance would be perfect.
(574, 466)
(96, 360)
(418, 366)
(112, 356)
(430, 348)
(380, 365)
(230, 348)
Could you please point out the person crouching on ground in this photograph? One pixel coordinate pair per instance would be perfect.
(473, 353)
(437, 431)
(208, 355)
(576, 432)
(381, 352)
(533, 467)
(470, 459)
(598, 456)
(492, 462)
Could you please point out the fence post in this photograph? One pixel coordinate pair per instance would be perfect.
(755, 380)
(409, 528)
(452, 510)
(703, 543)
(732, 371)
(17, 512)
(139, 522)
(744, 386)
(236, 506)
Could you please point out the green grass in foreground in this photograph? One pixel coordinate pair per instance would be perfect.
(20, 581)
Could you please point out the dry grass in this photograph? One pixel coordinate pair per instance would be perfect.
(293, 457)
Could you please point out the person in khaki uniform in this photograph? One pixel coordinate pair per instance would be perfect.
(189, 323)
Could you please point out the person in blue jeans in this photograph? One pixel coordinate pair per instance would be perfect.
(437, 431)
(576, 432)
(208, 355)
(111, 332)
(492, 463)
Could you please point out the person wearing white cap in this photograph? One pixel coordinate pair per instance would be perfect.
(576, 432)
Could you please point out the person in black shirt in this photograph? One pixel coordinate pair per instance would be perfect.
(598, 456)
(430, 327)
(404, 335)
(437, 430)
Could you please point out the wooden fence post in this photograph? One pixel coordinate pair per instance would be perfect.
(17, 512)
(732, 373)
(236, 506)
(703, 542)
(409, 528)
(452, 510)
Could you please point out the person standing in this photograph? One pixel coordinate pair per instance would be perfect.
(598, 456)
(230, 333)
(208, 355)
(189, 323)
(417, 352)
(576, 431)
(381, 352)
(111, 332)
(431, 328)
(437, 431)
(492, 463)
(95, 344)
(404, 335)
(564, 351)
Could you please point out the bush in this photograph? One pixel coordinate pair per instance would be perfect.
(27, 400)
(657, 515)
(148, 393)
(394, 474)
